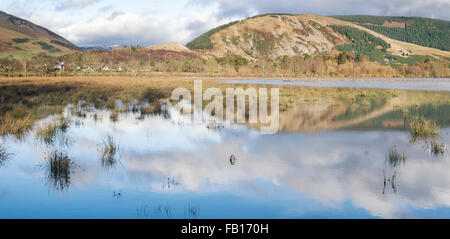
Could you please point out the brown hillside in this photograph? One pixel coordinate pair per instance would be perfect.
(19, 37)
(278, 35)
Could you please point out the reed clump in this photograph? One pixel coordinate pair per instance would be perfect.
(4, 153)
(109, 150)
(437, 148)
(422, 128)
(47, 132)
(59, 169)
(396, 158)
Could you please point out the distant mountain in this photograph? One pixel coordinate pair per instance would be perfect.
(279, 35)
(106, 48)
(19, 37)
(427, 32)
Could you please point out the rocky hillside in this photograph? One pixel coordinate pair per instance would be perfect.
(275, 35)
(20, 37)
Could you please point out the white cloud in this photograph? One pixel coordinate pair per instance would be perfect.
(92, 22)
(74, 4)
(131, 28)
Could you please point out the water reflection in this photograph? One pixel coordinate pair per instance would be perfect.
(109, 151)
(235, 172)
(4, 154)
(59, 167)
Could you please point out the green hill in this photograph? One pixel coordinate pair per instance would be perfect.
(421, 31)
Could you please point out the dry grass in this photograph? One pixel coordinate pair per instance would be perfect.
(422, 128)
(23, 101)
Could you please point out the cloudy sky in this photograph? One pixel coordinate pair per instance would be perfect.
(148, 22)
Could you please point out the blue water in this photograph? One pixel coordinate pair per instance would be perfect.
(170, 168)
(385, 83)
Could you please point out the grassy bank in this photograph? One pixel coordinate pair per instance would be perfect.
(23, 101)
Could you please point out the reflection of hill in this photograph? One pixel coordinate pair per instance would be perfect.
(376, 113)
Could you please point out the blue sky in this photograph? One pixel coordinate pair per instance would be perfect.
(148, 22)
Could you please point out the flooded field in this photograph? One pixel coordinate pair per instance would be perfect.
(429, 84)
(374, 155)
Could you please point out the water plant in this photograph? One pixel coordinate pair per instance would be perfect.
(192, 211)
(114, 116)
(4, 154)
(59, 170)
(422, 128)
(48, 131)
(437, 148)
(109, 150)
(395, 158)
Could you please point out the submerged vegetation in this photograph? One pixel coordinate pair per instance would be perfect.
(109, 150)
(59, 170)
(48, 131)
(437, 148)
(4, 154)
(396, 158)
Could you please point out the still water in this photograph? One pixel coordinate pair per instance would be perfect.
(166, 167)
(429, 84)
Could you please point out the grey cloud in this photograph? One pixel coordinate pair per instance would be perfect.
(115, 14)
(75, 4)
(244, 8)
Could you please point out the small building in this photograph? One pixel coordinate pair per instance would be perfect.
(105, 68)
(59, 66)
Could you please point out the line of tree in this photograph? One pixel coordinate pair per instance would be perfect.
(427, 32)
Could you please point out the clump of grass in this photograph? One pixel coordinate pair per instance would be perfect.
(422, 128)
(4, 154)
(109, 150)
(437, 148)
(114, 116)
(48, 131)
(10, 125)
(59, 170)
(396, 158)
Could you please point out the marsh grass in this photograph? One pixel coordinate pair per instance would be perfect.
(23, 101)
(437, 149)
(192, 211)
(114, 116)
(59, 170)
(48, 131)
(4, 154)
(422, 128)
(396, 158)
(109, 150)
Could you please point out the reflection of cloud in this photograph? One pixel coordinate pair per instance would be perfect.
(331, 175)
(330, 167)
